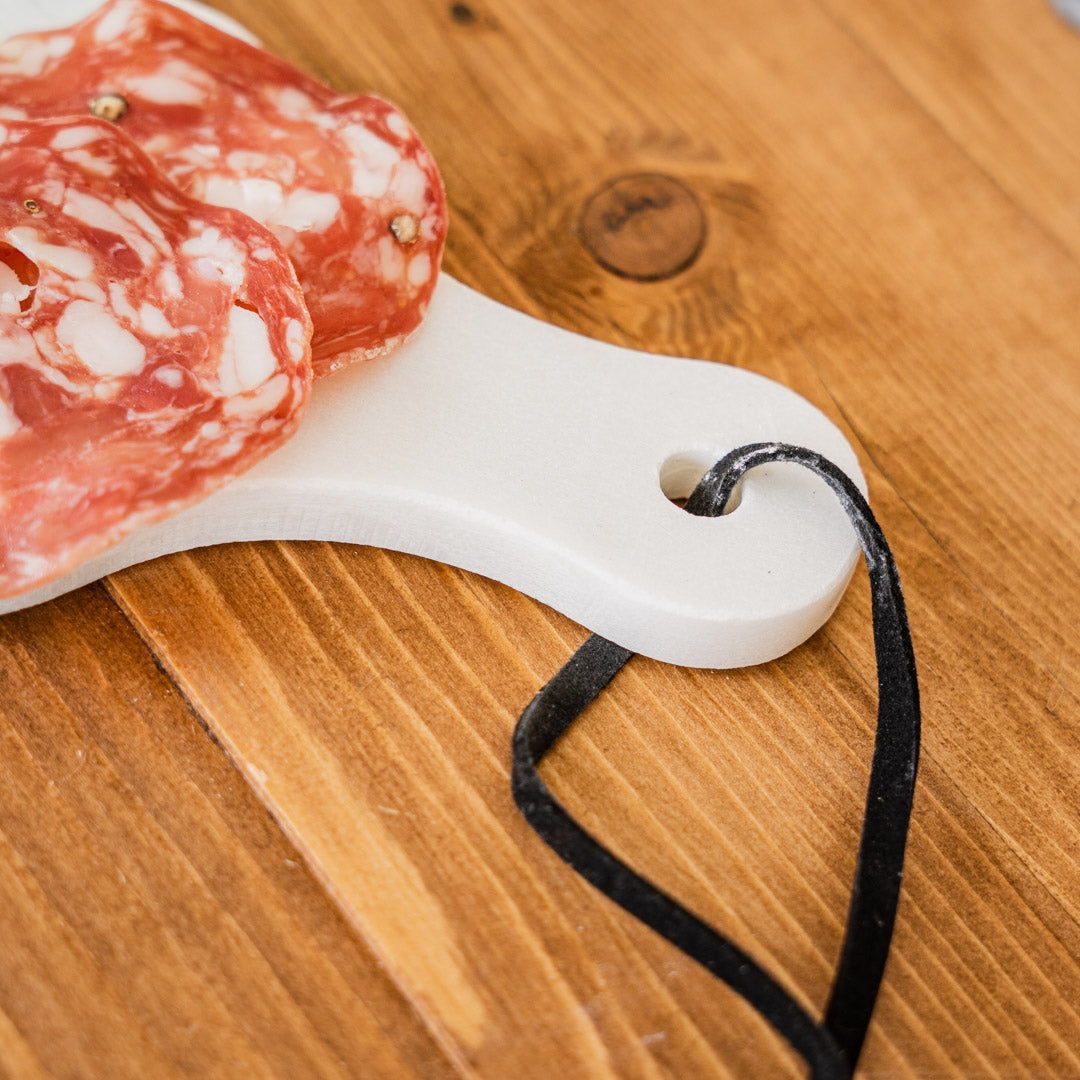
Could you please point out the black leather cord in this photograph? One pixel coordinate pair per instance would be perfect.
(830, 1047)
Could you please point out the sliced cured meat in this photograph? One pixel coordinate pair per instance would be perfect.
(151, 347)
(341, 180)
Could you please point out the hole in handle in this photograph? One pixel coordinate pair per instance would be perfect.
(682, 472)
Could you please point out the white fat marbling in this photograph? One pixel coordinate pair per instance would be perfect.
(306, 210)
(295, 339)
(391, 260)
(408, 186)
(255, 163)
(396, 123)
(170, 376)
(67, 261)
(71, 138)
(254, 195)
(153, 321)
(373, 161)
(419, 270)
(26, 58)
(12, 291)
(157, 145)
(81, 288)
(247, 360)
(164, 89)
(94, 212)
(17, 345)
(244, 161)
(61, 44)
(144, 222)
(99, 166)
(9, 422)
(114, 24)
(262, 402)
(98, 341)
(216, 257)
(100, 215)
(294, 103)
(266, 202)
(120, 304)
(169, 282)
(49, 192)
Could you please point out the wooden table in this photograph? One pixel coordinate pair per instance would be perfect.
(255, 817)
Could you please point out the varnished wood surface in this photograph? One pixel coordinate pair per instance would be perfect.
(255, 815)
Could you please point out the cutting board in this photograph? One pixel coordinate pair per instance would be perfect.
(255, 817)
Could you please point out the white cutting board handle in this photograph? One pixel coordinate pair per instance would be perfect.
(538, 457)
(541, 458)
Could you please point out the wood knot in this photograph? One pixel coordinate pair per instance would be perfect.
(646, 226)
(463, 14)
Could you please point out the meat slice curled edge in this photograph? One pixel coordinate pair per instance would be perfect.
(151, 347)
(342, 180)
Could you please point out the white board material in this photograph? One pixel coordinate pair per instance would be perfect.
(540, 458)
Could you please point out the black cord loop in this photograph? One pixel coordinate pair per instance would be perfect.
(830, 1047)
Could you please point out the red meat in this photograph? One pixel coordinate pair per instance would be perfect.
(152, 347)
(342, 180)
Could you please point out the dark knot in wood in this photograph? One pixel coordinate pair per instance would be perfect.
(462, 13)
(646, 226)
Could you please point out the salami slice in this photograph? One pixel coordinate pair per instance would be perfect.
(342, 180)
(151, 347)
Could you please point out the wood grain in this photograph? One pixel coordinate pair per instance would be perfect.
(263, 826)
(155, 920)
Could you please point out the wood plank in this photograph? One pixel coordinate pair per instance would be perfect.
(384, 752)
(1001, 82)
(875, 241)
(846, 229)
(156, 922)
(998, 77)
(399, 714)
